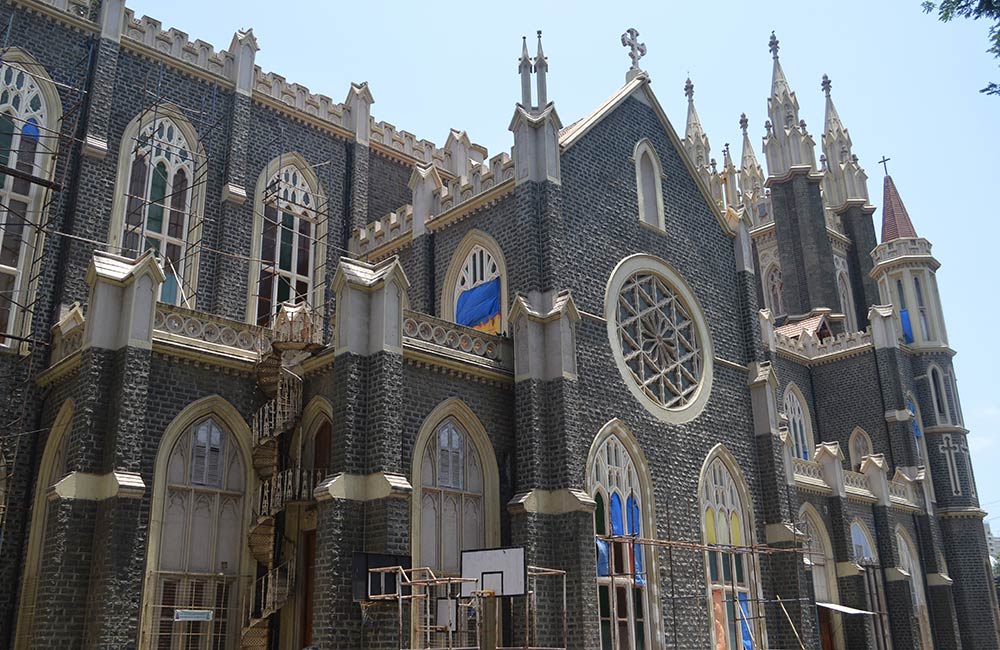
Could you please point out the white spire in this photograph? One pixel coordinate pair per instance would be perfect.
(524, 67)
(845, 180)
(729, 183)
(541, 68)
(754, 195)
(697, 147)
(787, 144)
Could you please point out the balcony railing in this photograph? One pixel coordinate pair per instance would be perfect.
(293, 485)
(269, 593)
(279, 414)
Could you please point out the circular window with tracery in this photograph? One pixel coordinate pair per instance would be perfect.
(659, 338)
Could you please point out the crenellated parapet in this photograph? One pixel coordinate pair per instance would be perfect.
(444, 201)
(298, 97)
(810, 349)
(176, 44)
(903, 251)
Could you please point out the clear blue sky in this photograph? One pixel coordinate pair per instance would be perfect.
(904, 84)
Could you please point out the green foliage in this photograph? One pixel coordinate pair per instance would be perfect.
(974, 9)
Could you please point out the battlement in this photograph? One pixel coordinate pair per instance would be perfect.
(897, 249)
(482, 178)
(298, 97)
(808, 347)
(176, 44)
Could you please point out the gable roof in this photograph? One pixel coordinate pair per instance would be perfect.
(640, 83)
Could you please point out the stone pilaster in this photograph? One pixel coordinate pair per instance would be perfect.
(860, 229)
(550, 499)
(235, 217)
(358, 119)
(364, 504)
(99, 504)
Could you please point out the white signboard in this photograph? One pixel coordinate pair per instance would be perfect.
(193, 615)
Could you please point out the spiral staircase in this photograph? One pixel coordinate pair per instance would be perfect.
(295, 336)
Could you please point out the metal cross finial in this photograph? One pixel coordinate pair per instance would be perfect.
(630, 39)
(825, 85)
(884, 165)
(689, 89)
(773, 45)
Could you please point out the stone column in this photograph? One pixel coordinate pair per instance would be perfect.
(860, 229)
(364, 505)
(97, 517)
(787, 578)
(236, 218)
(358, 119)
(550, 505)
(426, 184)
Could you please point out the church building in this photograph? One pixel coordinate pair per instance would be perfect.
(273, 368)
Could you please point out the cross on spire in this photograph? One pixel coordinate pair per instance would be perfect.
(689, 89)
(884, 165)
(826, 84)
(637, 50)
(773, 45)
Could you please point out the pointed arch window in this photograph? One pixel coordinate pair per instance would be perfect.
(909, 564)
(732, 581)
(477, 292)
(287, 245)
(451, 506)
(622, 589)
(918, 291)
(202, 537)
(158, 200)
(860, 446)
(649, 184)
(774, 287)
(939, 397)
(27, 141)
(799, 423)
(847, 302)
(820, 563)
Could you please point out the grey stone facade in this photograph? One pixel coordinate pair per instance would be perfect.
(386, 364)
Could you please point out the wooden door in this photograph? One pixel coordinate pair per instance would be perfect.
(826, 628)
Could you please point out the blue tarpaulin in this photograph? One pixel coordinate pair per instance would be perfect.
(479, 304)
(602, 557)
(617, 518)
(633, 529)
(904, 319)
(747, 639)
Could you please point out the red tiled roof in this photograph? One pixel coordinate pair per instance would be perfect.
(896, 222)
(795, 329)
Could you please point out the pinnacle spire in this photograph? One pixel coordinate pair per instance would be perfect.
(751, 173)
(896, 222)
(695, 140)
(541, 68)
(845, 180)
(787, 143)
(524, 68)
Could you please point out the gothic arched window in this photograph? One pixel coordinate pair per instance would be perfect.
(451, 500)
(846, 302)
(799, 423)
(939, 397)
(922, 309)
(861, 542)
(732, 581)
(27, 141)
(820, 563)
(477, 292)
(202, 539)
(860, 446)
(159, 191)
(909, 564)
(288, 235)
(649, 184)
(622, 573)
(774, 286)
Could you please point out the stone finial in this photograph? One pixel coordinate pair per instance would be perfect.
(524, 68)
(744, 123)
(826, 84)
(772, 45)
(637, 50)
(689, 89)
(541, 68)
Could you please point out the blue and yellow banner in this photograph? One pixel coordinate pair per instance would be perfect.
(479, 307)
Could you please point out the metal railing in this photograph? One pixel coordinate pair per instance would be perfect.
(293, 485)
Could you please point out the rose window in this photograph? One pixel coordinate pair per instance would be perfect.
(659, 340)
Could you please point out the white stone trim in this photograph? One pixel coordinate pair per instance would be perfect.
(647, 263)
